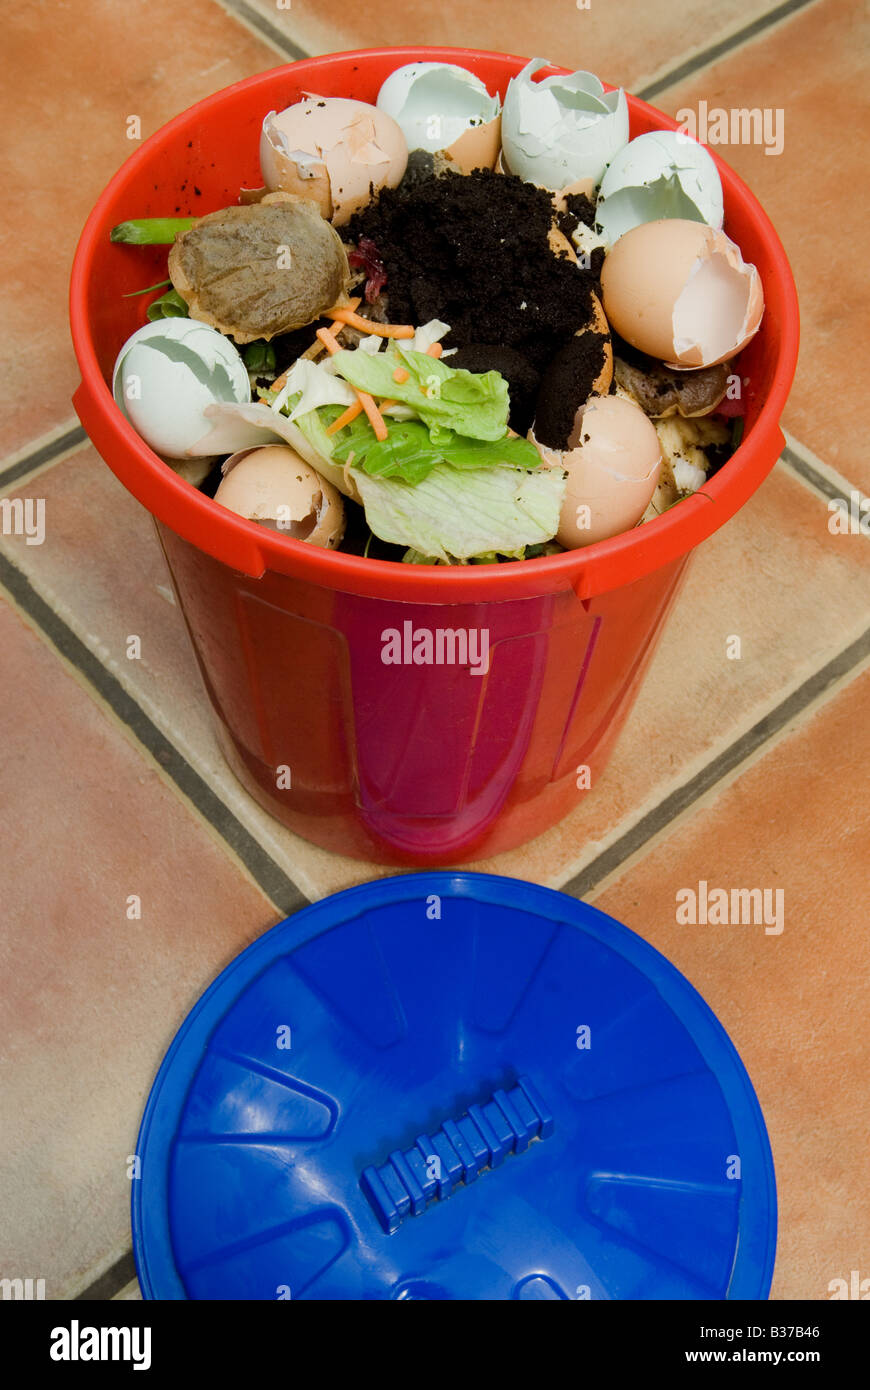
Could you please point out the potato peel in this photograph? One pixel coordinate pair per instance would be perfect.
(259, 270)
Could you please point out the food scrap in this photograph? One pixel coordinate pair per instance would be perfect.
(436, 324)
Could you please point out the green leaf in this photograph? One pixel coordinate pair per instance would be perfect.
(409, 453)
(459, 513)
(147, 289)
(474, 404)
(169, 306)
(151, 231)
(259, 357)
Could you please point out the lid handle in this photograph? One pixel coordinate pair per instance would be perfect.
(457, 1153)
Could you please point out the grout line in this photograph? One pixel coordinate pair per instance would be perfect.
(662, 817)
(817, 475)
(717, 50)
(269, 876)
(263, 28)
(111, 1281)
(38, 456)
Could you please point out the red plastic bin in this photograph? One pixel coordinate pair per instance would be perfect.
(401, 763)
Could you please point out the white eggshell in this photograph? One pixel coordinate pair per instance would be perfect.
(436, 103)
(332, 150)
(613, 471)
(664, 174)
(275, 487)
(166, 374)
(681, 291)
(561, 129)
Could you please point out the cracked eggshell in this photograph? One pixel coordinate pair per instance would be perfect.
(562, 129)
(663, 174)
(332, 150)
(273, 486)
(168, 372)
(613, 471)
(442, 107)
(681, 291)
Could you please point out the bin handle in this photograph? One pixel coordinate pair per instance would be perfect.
(480, 1138)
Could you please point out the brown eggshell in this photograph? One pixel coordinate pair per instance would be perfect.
(352, 148)
(600, 324)
(586, 186)
(259, 482)
(477, 148)
(680, 291)
(613, 471)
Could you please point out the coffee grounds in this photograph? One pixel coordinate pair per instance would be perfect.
(566, 387)
(522, 378)
(472, 249)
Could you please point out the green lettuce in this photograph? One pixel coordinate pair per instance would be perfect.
(474, 404)
(409, 453)
(459, 513)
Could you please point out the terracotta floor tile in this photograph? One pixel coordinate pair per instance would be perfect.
(81, 70)
(774, 576)
(795, 1004)
(102, 569)
(812, 68)
(91, 999)
(628, 43)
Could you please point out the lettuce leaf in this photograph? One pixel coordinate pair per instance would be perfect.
(460, 513)
(474, 404)
(410, 453)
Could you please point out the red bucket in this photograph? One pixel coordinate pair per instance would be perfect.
(402, 763)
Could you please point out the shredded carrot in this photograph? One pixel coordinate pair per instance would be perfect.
(376, 421)
(337, 309)
(434, 350)
(383, 330)
(345, 418)
(329, 340)
(400, 375)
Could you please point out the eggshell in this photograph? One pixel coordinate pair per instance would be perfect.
(663, 174)
(584, 186)
(333, 151)
(259, 483)
(561, 129)
(478, 148)
(613, 469)
(681, 291)
(168, 372)
(436, 105)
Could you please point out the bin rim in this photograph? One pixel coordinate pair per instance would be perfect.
(253, 550)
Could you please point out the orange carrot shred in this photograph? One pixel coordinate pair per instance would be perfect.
(401, 375)
(434, 350)
(345, 418)
(383, 330)
(376, 421)
(329, 340)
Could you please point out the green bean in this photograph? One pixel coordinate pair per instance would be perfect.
(151, 231)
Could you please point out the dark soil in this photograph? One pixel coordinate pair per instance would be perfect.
(566, 387)
(522, 378)
(472, 250)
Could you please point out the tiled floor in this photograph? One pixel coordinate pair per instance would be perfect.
(114, 790)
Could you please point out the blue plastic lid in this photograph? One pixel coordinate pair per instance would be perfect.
(453, 1086)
